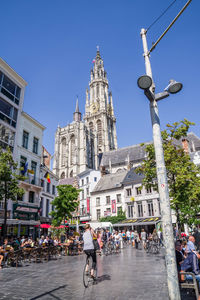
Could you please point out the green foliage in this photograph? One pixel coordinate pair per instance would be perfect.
(9, 188)
(182, 174)
(114, 219)
(65, 203)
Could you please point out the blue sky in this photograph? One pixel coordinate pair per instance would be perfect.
(51, 44)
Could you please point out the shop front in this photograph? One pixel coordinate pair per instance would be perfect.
(25, 221)
(148, 224)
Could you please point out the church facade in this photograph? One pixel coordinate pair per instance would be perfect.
(80, 144)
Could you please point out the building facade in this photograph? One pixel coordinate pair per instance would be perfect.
(79, 145)
(12, 87)
(49, 182)
(29, 156)
(87, 182)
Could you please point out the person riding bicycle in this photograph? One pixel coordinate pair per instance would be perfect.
(88, 247)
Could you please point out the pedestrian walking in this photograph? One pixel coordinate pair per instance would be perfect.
(143, 238)
(136, 239)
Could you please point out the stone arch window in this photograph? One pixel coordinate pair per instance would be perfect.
(63, 151)
(71, 173)
(98, 88)
(62, 175)
(99, 132)
(91, 126)
(72, 149)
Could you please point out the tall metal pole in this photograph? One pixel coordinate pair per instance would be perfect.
(172, 276)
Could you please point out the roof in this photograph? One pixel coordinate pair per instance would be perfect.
(137, 152)
(69, 181)
(132, 177)
(131, 153)
(85, 172)
(110, 181)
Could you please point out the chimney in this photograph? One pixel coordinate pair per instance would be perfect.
(185, 144)
(103, 171)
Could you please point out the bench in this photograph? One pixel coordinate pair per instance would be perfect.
(190, 283)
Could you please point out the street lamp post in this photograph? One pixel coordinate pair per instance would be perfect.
(149, 90)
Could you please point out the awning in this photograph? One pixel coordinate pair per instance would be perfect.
(45, 226)
(138, 222)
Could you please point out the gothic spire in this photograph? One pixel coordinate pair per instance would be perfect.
(77, 113)
(77, 107)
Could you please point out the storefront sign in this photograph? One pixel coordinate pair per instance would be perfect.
(114, 206)
(88, 205)
(25, 212)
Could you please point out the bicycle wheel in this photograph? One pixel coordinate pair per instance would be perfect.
(86, 273)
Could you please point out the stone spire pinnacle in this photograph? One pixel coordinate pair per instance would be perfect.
(77, 107)
(77, 114)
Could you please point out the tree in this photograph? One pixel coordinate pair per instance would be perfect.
(121, 216)
(9, 181)
(182, 174)
(65, 203)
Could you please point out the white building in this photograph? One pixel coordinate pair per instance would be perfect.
(49, 182)
(87, 182)
(12, 87)
(29, 155)
(107, 198)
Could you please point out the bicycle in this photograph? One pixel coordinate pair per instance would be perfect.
(87, 278)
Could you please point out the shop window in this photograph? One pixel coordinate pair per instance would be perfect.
(31, 197)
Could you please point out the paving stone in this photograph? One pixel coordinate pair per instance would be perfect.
(132, 274)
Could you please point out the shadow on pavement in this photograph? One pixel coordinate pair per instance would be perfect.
(50, 293)
(103, 278)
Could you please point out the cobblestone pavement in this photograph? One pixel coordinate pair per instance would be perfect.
(132, 274)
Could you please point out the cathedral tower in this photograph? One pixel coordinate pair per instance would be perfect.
(99, 112)
(79, 145)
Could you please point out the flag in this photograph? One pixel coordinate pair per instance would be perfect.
(24, 169)
(31, 172)
(47, 177)
(93, 60)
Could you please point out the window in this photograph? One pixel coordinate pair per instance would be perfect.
(35, 145)
(140, 210)
(9, 88)
(33, 168)
(47, 208)
(41, 206)
(98, 214)
(7, 137)
(25, 139)
(98, 201)
(95, 179)
(63, 151)
(23, 161)
(48, 187)
(150, 208)
(87, 191)
(128, 192)
(42, 183)
(107, 199)
(87, 180)
(119, 210)
(72, 150)
(53, 189)
(8, 113)
(82, 182)
(159, 207)
(130, 211)
(119, 200)
(148, 190)
(82, 194)
(31, 197)
(138, 191)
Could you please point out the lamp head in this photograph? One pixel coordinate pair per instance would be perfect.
(144, 82)
(174, 87)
